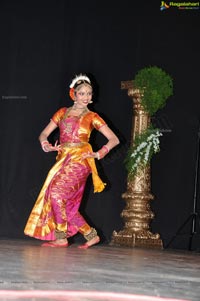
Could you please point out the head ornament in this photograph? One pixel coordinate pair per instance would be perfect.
(80, 77)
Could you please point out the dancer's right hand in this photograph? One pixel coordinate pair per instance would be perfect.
(48, 147)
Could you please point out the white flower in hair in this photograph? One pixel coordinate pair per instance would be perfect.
(77, 78)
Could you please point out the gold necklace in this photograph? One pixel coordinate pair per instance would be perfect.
(76, 108)
(78, 116)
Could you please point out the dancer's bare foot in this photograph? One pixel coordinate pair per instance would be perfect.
(90, 243)
(56, 243)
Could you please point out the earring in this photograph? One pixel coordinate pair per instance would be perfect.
(90, 101)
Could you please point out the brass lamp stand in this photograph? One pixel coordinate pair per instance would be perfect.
(137, 213)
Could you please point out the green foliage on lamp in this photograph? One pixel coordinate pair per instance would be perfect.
(145, 145)
(156, 86)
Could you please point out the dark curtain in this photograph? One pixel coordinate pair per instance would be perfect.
(43, 45)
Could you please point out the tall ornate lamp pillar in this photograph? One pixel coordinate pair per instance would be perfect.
(137, 213)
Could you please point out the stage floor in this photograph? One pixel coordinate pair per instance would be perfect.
(26, 266)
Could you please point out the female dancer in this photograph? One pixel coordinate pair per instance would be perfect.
(55, 216)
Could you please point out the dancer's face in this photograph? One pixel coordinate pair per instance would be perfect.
(83, 95)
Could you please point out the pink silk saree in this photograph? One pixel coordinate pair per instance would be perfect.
(57, 206)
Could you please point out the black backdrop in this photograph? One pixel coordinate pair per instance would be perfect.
(43, 44)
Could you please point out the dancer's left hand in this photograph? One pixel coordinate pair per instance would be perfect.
(89, 155)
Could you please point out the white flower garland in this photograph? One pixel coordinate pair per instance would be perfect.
(142, 153)
(77, 78)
